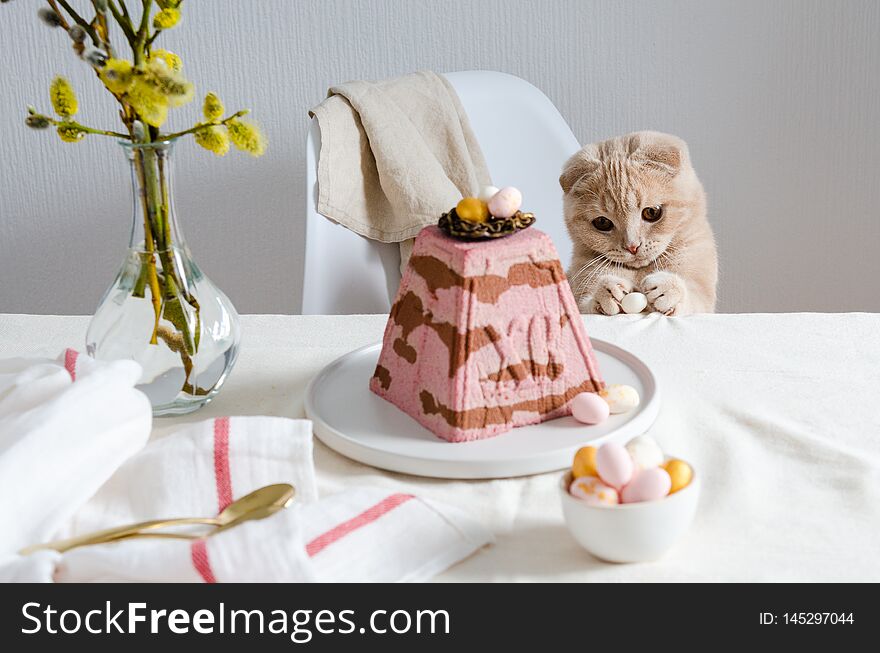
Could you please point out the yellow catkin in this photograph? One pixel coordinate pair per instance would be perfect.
(247, 137)
(150, 105)
(117, 75)
(63, 98)
(70, 134)
(176, 90)
(173, 61)
(213, 108)
(167, 18)
(214, 139)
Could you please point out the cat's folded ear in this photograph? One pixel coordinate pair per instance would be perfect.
(664, 153)
(579, 165)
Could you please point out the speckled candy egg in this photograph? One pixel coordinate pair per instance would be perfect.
(620, 398)
(589, 408)
(680, 473)
(645, 452)
(614, 465)
(472, 209)
(634, 302)
(505, 203)
(593, 491)
(647, 485)
(487, 193)
(584, 463)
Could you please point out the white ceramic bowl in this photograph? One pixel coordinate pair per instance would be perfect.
(631, 532)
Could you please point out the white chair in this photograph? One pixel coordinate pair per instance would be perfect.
(525, 142)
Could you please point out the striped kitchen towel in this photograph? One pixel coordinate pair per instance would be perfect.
(361, 534)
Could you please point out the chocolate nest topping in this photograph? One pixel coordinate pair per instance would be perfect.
(494, 227)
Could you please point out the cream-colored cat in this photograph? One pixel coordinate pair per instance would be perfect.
(636, 213)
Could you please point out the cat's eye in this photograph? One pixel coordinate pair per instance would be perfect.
(603, 224)
(652, 213)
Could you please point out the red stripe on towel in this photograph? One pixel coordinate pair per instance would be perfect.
(221, 462)
(366, 517)
(223, 482)
(70, 356)
(200, 560)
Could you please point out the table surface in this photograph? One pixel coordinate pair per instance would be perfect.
(780, 414)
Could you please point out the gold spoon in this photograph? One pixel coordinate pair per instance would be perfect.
(259, 504)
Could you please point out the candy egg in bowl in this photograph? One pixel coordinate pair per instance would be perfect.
(640, 531)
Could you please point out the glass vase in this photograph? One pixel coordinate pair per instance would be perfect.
(161, 310)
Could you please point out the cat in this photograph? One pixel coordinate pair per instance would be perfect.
(636, 214)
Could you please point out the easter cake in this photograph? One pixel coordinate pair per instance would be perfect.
(484, 334)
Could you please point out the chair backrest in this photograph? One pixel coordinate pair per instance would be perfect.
(525, 142)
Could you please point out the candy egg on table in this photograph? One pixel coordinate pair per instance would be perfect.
(647, 485)
(589, 408)
(614, 465)
(634, 302)
(594, 491)
(506, 202)
(680, 474)
(473, 209)
(620, 398)
(645, 452)
(584, 463)
(487, 193)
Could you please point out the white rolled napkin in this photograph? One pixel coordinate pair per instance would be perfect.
(66, 426)
(359, 535)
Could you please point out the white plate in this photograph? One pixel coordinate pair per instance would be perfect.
(350, 419)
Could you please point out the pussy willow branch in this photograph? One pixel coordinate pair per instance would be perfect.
(64, 24)
(79, 20)
(152, 38)
(143, 33)
(123, 21)
(103, 29)
(87, 130)
(193, 130)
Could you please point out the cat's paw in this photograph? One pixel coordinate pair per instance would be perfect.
(610, 289)
(665, 291)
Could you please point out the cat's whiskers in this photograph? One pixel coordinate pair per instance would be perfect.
(588, 265)
(595, 274)
(586, 268)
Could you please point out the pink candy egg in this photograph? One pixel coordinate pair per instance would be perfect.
(614, 465)
(589, 408)
(505, 202)
(648, 485)
(593, 491)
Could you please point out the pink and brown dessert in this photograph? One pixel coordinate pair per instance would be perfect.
(484, 334)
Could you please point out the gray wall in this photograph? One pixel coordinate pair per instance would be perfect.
(780, 102)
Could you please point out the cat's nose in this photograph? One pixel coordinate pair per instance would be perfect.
(633, 247)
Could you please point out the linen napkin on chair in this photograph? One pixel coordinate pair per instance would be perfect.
(395, 154)
(66, 425)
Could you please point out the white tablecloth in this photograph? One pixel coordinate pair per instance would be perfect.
(779, 413)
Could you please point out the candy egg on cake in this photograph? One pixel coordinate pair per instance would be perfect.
(505, 203)
(487, 193)
(472, 209)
